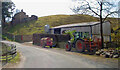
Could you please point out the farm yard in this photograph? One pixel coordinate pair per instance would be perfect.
(108, 57)
(52, 36)
(103, 58)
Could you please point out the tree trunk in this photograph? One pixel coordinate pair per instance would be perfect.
(101, 31)
(101, 26)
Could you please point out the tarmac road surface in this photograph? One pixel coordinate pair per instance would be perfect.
(35, 57)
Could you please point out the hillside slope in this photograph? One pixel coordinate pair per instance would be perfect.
(54, 20)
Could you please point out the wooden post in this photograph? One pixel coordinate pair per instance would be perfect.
(6, 54)
(12, 49)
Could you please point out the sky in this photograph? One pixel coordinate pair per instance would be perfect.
(44, 7)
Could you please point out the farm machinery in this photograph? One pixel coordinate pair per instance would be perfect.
(47, 41)
(81, 41)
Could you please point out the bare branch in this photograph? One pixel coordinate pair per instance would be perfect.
(108, 3)
(109, 15)
(98, 2)
(92, 9)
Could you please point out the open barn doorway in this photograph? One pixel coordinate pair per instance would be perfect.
(57, 31)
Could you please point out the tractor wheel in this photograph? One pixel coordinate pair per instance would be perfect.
(68, 47)
(50, 46)
(80, 46)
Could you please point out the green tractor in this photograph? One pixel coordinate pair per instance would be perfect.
(81, 42)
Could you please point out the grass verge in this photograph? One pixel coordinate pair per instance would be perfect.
(16, 59)
(13, 63)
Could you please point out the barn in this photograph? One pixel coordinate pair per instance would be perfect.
(92, 28)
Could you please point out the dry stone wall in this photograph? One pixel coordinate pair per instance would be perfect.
(57, 38)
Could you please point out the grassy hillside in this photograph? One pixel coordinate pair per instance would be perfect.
(55, 20)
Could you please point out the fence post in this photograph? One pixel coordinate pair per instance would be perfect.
(6, 54)
(15, 50)
(12, 50)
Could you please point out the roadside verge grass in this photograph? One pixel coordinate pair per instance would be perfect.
(16, 59)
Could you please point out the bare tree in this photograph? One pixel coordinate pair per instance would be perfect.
(99, 8)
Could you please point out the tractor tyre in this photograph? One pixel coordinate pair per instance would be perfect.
(50, 46)
(68, 47)
(80, 46)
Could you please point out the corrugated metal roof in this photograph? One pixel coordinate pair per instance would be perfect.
(77, 24)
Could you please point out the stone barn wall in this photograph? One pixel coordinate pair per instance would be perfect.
(19, 38)
(23, 38)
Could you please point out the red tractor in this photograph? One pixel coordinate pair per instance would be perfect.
(47, 41)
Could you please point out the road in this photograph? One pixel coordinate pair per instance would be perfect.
(35, 57)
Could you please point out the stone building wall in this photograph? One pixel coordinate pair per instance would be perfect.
(21, 17)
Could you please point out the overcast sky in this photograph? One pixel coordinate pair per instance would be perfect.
(44, 7)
